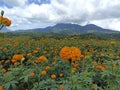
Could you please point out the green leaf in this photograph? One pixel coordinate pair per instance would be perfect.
(53, 88)
(7, 86)
(13, 82)
(26, 78)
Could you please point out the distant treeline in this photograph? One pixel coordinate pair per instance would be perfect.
(36, 35)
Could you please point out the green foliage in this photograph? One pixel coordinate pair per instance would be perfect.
(1, 35)
(16, 76)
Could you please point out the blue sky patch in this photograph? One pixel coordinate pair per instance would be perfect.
(39, 1)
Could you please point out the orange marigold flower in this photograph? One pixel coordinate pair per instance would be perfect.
(47, 67)
(114, 65)
(94, 63)
(60, 87)
(41, 59)
(7, 61)
(29, 54)
(35, 51)
(16, 63)
(1, 66)
(32, 74)
(61, 74)
(6, 21)
(1, 88)
(5, 49)
(102, 55)
(43, 72)
(70, 53)
(75, 65)
(13, 60)
(4, 70)
(53, 76)
(117, 57)
(101, 68)
(17, 57)
(38, 48)
(53, 63)
(94, 86)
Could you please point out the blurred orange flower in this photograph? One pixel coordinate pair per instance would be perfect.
(60, 87)
(32, 74)
(47, 67)
(94, 86)
(61, 74)
(1, 88)
(17, 57)
(5, 21)
(41, 59)
(53, 76)
(43, 72)
(101, 68)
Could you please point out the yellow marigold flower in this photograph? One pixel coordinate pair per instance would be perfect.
(43, 72)
(47, 67)
(32, 74)
(101, 68)
(1, 88)
(53, 76)
(70, 53)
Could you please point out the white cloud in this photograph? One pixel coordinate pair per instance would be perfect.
(100, 12)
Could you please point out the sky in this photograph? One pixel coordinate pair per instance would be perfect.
(28, 14)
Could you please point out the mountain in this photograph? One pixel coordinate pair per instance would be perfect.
(70, 29)
(5, 30)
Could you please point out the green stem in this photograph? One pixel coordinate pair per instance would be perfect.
(83, 64)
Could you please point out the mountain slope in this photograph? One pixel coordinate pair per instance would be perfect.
(70, 29)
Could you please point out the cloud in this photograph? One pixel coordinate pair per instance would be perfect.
(100, 12)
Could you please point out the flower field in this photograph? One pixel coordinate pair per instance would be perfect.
(66, 63)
